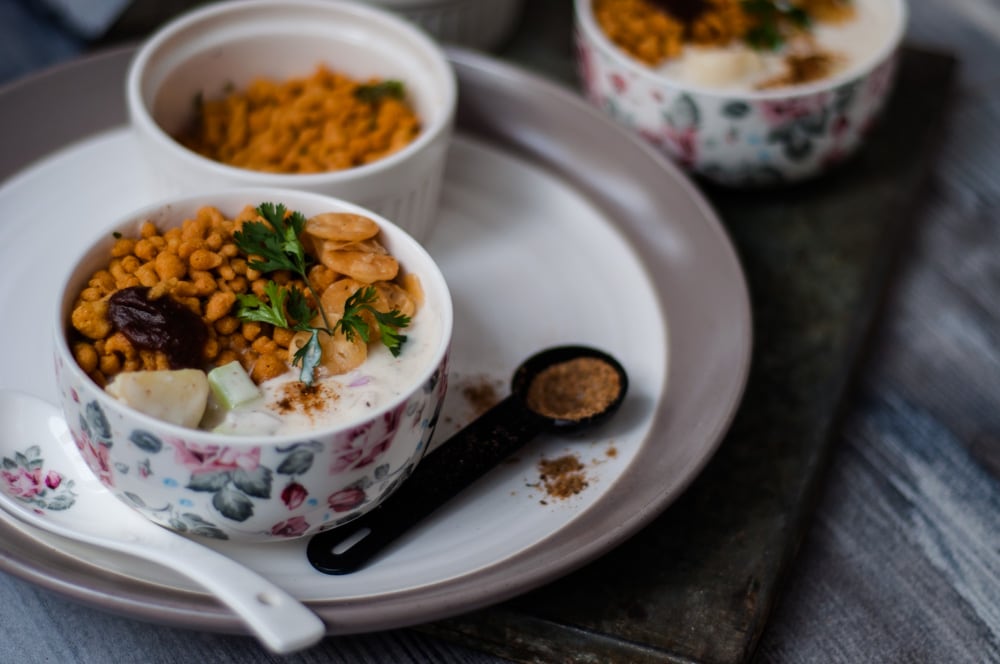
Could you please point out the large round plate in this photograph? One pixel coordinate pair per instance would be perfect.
(556, 227)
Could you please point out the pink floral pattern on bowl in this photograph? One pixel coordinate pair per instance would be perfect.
(740, 141)
(245, 491)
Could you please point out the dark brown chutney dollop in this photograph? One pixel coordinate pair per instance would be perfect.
(163, 324)
(685, 11)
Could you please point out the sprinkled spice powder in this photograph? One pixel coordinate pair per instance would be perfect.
(306, 399)
(574, 389)
(481, 396)
(562, 477)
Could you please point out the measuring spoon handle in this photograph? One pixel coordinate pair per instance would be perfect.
(446, 471)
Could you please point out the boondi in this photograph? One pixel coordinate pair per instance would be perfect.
(323, 122)
(199, 266)
(654, 31)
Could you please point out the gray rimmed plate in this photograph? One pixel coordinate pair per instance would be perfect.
(556, 227)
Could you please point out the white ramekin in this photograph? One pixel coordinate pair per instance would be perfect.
(210, 50)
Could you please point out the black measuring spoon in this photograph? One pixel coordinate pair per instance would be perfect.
(462, 459)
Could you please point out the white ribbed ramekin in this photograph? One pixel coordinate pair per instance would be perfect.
(223, 45)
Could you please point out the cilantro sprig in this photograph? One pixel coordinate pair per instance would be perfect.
(278, 245)
(375, 92)
(773, 20)
(284, 307)
(275, 246)
(389, 322)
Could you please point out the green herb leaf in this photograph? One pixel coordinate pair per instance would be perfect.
(799, 17)
(376, 92)
(351, 322)
(253, 308)
(299, 310)
(764, 37)
(278, 245)
(389, 323)
(773, 20)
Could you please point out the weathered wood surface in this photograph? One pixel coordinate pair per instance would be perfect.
(699, 583)
(902, 557)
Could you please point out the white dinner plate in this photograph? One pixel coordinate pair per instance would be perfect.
(556, 227)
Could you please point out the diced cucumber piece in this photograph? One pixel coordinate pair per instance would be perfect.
(232, 386)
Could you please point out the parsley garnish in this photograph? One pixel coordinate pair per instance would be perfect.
(389, 323)
(285, 307)
(274, 246)
(773, 19)
(278, 246)
(376, 92)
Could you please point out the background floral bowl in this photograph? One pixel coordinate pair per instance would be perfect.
(253, 488)
(744, 138)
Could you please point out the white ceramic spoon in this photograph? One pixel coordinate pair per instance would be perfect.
(46, 483)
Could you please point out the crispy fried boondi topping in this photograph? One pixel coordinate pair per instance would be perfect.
(654, 31)
(323, 122)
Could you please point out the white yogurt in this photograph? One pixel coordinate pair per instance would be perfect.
(381, 379)
(740, 68)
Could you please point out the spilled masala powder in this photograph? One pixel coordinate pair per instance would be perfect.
(562, 477)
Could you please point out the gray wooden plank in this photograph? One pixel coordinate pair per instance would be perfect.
(41, 628)
(902, 563)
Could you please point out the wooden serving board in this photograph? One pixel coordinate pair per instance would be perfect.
(699, 583)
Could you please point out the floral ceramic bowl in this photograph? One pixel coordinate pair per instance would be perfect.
(222, 47)
(742, 137)
(258, 487)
